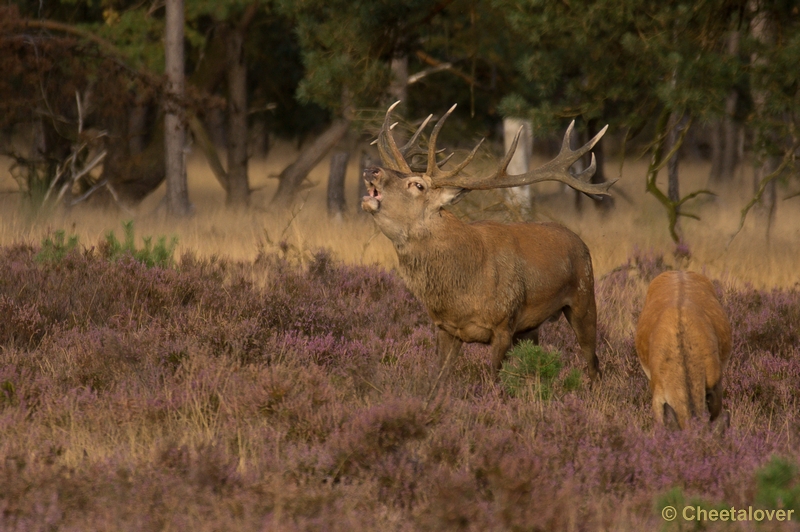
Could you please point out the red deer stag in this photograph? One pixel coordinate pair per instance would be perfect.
(683, 339)
(483, 282)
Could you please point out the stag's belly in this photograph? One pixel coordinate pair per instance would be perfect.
(474, 319)
(533, 315)
(469, 332)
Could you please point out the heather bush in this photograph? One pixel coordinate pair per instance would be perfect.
(279, 394)
(764, 320)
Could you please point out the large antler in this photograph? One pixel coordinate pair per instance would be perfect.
(400, 159)
(554, 170)
(393, 157)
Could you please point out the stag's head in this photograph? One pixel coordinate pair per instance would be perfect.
(404, 198)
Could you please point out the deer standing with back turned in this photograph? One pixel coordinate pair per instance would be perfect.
(485, 281)
(683, 339)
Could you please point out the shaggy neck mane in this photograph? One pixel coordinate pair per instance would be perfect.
(442, 261)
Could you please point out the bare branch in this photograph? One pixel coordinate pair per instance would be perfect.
(425, 58)
(414, 78)
(788, 158)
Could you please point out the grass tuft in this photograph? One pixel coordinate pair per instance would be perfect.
(158, 254)
(531, 371)
(56, 247)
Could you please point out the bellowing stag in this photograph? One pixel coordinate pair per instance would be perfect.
(483, 282)
(683, 340)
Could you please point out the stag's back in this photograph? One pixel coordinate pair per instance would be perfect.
(683, 340)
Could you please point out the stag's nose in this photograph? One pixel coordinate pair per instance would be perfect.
(372, 174)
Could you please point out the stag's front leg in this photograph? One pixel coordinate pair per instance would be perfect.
(448, 347)
(501, 343)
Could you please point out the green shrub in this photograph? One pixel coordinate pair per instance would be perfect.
(676, 499)
(529, 370)
(573, 380)
(158, 254)
(56, 248)
(778, 485)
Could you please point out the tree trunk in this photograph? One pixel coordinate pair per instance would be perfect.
(717, 149)
(238, 192)
(724, 154)
(366, 162)
(137, 127)
(764, 33)
(673, 133)
(730, 129)
(175, 114)
(293, 175)
(520, 198)
(769, 199)
(337, 205)
(730, 136)
(398, 88)
(133, 177)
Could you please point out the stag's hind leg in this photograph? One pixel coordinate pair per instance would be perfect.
(720, 419)
(714, 400)
(584, 322)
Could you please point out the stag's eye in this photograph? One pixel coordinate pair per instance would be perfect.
(419, 187)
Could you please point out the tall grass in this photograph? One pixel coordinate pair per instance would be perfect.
(637, 222)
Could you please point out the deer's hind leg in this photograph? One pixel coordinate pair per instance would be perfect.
(714, 400)
(583, 320)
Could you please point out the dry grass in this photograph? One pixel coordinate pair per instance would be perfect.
(638, 221)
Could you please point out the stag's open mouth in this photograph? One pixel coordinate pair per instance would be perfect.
(372, 201)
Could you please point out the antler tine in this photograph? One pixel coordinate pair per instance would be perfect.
(438, 174)
(434, 169)
(580, 152)
(447, 158)
(586, 174)
(390, 154)
(422, 169)
(501, 170)
(555, 170)
(510, 153)
(432, 166)
(410, 149)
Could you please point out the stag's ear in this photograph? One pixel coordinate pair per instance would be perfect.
(451, 195)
